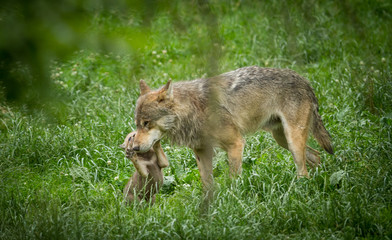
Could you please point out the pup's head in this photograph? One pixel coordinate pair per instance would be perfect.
(153, 115)
(128, 141)
(140, 166)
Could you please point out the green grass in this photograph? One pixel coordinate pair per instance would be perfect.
(55, 180)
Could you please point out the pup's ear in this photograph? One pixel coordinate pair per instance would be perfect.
(144, 88)
(166, 92)
(122, 146)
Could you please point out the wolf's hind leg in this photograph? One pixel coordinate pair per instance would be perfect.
(279, 136)
(296, 132)
(312, 156)
(297, 147)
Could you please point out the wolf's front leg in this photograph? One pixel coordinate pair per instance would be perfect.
(235, 151)
(204, 163)
(233, 143)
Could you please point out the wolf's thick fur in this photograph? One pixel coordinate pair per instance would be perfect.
(219, 111)
(148, 178)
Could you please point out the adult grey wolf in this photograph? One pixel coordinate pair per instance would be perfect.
(148, 178)
(219, 111)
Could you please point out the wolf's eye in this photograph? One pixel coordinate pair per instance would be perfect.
(145, 123)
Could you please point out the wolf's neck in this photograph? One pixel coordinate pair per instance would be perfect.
(188, 131)
(190, 109)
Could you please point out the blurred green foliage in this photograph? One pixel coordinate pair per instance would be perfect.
(36, 32)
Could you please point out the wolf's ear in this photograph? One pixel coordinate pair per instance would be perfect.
(166, 92)
(144, 88)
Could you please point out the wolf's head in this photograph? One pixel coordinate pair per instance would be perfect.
(154, 115)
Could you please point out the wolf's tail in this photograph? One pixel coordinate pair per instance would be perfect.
(320, 133)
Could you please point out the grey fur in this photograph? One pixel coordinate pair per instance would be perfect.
(219, 111)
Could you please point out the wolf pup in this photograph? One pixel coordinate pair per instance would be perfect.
(148, 178)
(218, 111)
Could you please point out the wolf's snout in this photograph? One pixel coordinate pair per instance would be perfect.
(136, 148)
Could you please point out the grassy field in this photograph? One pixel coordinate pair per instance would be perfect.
(62, 172)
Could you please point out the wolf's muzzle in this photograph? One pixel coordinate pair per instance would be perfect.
(136, 148)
